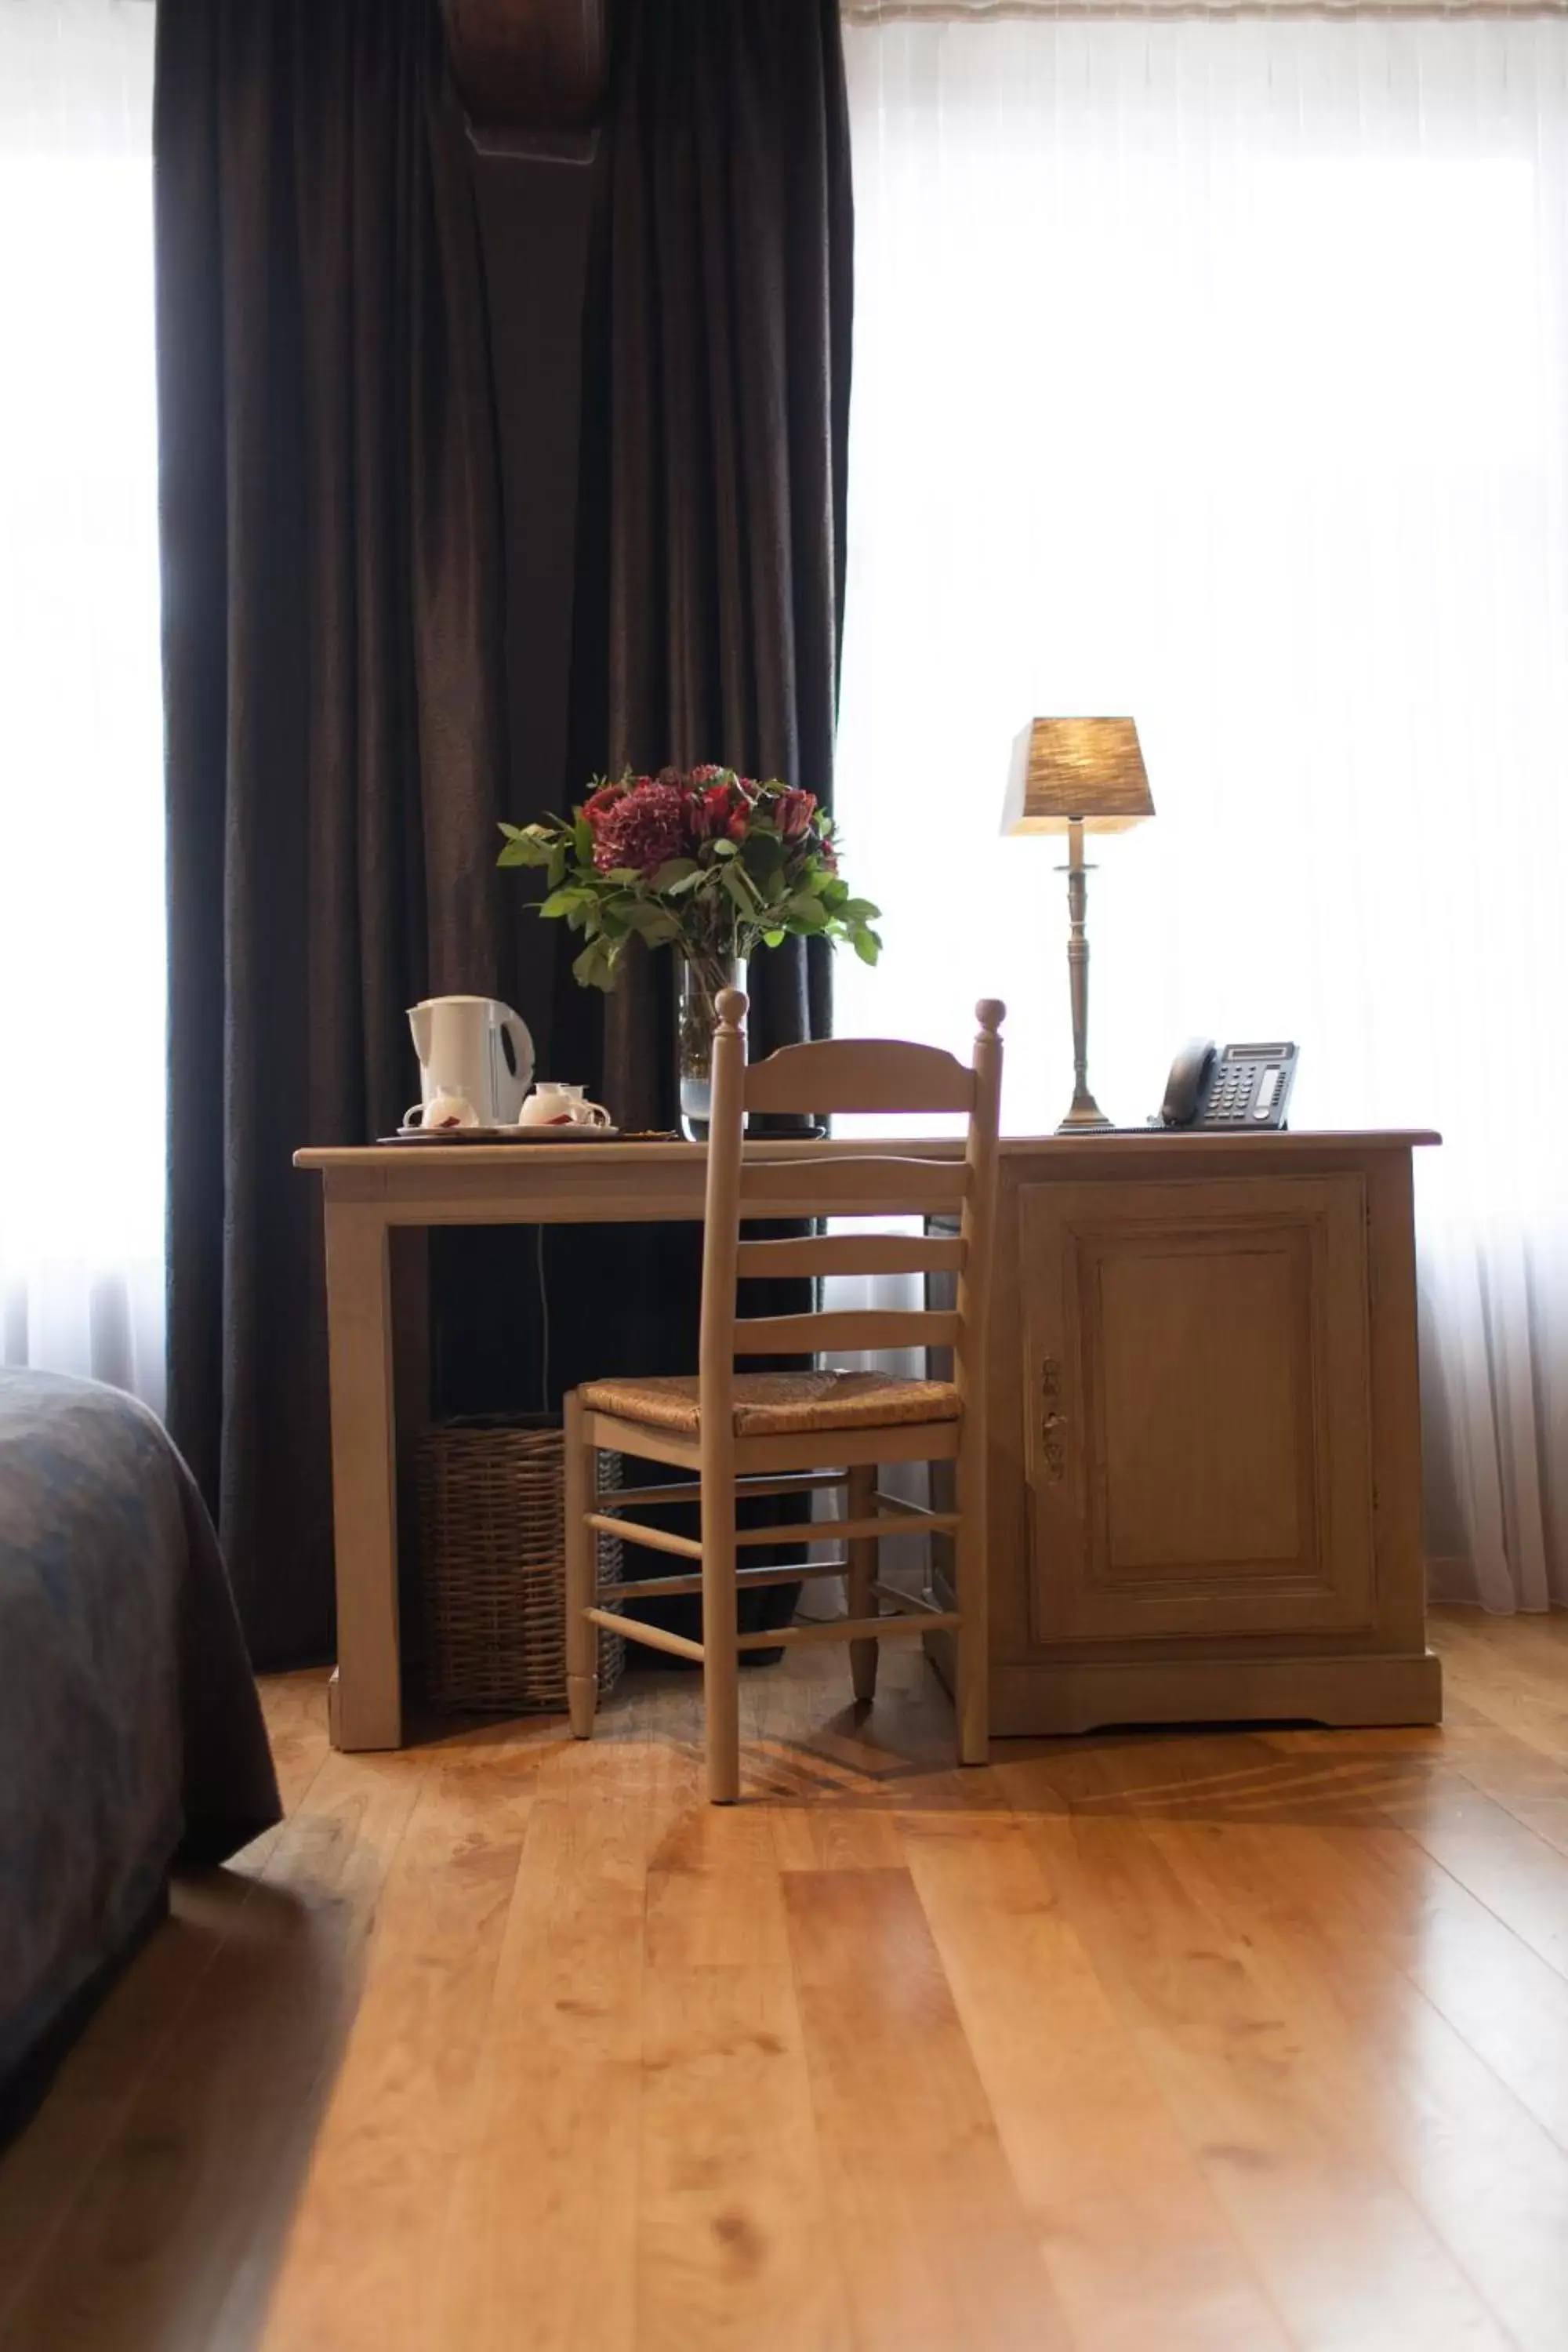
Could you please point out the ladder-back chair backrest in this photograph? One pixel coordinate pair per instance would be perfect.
(846, 1075)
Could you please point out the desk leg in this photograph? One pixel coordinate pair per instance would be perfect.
(367, 1710)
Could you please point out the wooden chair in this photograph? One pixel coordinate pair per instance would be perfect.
(780, 1433)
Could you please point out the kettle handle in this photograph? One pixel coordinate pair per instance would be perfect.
(523, 1051)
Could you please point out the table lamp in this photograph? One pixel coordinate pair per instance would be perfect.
(1069, 775)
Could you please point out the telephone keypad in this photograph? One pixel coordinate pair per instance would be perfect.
(1247, 1089)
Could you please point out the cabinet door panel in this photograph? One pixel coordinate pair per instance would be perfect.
(1198, 1383)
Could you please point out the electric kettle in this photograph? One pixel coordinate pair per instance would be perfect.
(472, 1046)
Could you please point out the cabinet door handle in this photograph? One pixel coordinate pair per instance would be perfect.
(1053, 1422)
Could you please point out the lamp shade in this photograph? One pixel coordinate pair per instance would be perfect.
(1090, 769)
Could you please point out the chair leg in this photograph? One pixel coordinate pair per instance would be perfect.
(970, 1662)
(864, 1551)
(581, 1575)
(720, 1658)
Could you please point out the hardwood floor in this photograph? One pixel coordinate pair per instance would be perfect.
(1221, 2042)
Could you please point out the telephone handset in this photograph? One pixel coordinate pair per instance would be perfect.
(1245, 1086)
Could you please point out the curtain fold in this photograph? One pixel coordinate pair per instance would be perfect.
(710, 569)
(333, 619)
(334, 641)
(1216, 373)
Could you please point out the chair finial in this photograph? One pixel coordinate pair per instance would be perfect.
(991, 1012)
(730, 1007)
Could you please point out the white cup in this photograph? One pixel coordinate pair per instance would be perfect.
(442, 1110)
(555, 1105)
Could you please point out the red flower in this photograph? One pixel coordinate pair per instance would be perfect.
(793, 813)
(709, 811)
(706, 774)
(645, 827)
(608, 796)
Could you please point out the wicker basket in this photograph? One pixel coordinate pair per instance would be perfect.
(492, 1521)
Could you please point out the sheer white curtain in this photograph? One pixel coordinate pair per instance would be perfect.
(1217, 371)
(81, 893)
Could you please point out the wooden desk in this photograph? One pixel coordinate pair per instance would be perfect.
(1205, 1450)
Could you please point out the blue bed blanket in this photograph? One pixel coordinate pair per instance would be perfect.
(130, 1733)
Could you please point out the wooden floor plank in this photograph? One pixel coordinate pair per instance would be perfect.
(1138, 2246)
(1488, 2179)
(1346, 2256)
(134, 2032)
(1513, 1671)
(1212, 2040)
(370, 2229)
(935, 2245)
(173, 2238)
(734, 2244)
(543, 2212)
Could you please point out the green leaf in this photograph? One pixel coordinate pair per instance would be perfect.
(867, 946)
(522, 849)
(774, 939)
(674, 870)
(567, 901)
(858, 910)
(594, 968)
(741, 888)
(653, 923)
(582, 841)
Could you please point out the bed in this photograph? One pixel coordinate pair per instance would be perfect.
(131, 1735)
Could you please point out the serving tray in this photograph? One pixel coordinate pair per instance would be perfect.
(504, 1135)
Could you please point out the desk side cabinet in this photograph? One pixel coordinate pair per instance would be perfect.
(1206, 1462)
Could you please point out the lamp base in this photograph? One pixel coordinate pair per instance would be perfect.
(1086, 1117)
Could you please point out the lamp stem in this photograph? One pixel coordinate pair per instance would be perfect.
(1086, 1114)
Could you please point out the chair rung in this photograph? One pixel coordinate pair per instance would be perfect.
(821, 1254)
(804, 1481)
(849, 1628)
(855, 1329)
(653, 1637)
(655, 1588)
(843, 1531)
(868, 1185)
(656, 1539)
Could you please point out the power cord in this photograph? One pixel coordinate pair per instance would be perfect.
(543, 1322)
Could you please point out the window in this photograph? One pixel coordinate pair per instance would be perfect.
(1217, 371)
(81, 899)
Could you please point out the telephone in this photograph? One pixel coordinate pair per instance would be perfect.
(1245, 1086)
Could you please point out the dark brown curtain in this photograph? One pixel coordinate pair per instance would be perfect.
(710, 557)
(708, 578)
(333, 612)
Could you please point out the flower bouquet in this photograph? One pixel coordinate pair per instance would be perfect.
(707, 862)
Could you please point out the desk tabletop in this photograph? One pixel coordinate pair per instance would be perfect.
(1063, 1150)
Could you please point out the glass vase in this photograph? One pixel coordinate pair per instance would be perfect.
(699, 982)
